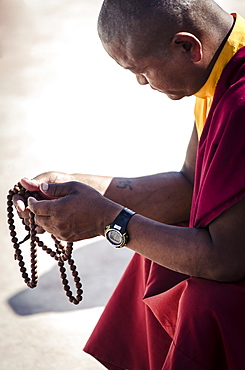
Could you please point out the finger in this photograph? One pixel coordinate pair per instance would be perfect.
(19, 203)
(24, 215)
(31, 185)
(41, 207)
(39, 230)
(58, 190)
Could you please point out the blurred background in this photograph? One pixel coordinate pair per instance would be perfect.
(66, 106)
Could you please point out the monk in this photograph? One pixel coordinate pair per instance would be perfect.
(180, 303)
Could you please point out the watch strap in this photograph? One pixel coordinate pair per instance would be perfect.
(121, 221)
(120, 224)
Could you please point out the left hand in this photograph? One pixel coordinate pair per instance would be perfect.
(78, 212)
(33, 185)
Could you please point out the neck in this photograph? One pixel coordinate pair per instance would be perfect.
(223, 32)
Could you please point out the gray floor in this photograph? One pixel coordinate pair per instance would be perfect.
(62, 101)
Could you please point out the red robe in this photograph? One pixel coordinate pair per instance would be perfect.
(159, 319)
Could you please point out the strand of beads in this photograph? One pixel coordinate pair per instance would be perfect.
(61, 255)
(31, 282)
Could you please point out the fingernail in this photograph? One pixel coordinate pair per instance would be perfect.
(31, 200)
(44, 186)
(20, 206)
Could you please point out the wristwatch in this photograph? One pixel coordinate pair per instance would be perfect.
(116, 233)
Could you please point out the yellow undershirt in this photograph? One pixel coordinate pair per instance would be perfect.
(204, 96)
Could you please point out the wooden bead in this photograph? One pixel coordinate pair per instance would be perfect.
(19, 257)
(78, 285)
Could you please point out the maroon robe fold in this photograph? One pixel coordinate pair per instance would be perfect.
(159, 319)
(220, 169)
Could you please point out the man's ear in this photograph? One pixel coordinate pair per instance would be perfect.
(189, 44)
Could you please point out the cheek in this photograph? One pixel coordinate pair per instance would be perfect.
(169, 80)
(159, 80)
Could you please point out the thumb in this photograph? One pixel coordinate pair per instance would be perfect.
(53, 190)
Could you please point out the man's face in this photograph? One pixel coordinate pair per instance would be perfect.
(168, 75)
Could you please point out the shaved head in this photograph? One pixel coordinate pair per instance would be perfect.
(145, 27)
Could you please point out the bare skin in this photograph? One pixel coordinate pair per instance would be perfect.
(81, 206)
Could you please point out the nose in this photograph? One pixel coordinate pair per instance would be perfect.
(141, 79)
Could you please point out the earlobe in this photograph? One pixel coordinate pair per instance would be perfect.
(190, 44)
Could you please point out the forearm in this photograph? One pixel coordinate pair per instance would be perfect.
(164, 197)
(186, 250)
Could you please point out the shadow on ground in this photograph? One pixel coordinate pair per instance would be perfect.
(100, 268)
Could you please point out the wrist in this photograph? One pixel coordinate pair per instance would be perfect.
(110, 212)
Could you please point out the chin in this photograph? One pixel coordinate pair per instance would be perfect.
(175, 97)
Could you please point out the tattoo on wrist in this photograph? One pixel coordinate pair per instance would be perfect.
(125, 184)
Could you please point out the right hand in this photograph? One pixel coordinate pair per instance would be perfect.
(34, 185)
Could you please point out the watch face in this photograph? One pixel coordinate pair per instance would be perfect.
(115, 237)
